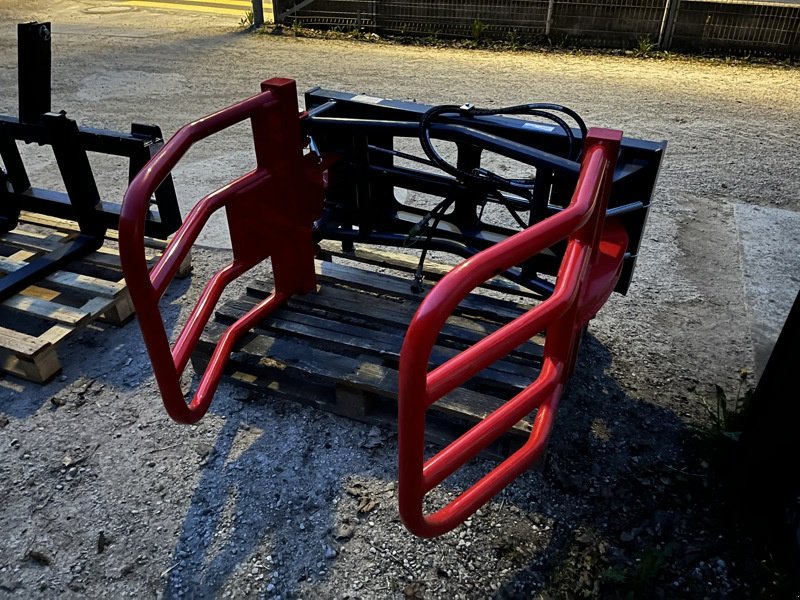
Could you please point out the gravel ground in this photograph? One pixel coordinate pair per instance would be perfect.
(103, 496)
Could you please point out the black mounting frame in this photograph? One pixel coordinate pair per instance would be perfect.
(70, 144)
(362, 203)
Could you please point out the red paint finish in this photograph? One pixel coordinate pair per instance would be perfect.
(270, 213)
(588, 273)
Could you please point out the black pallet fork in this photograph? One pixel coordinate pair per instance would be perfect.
(71, 143)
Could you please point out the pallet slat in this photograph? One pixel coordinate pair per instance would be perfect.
(432, 270)
(397, 313)
(491, 308)
(338, 349)
(383, 344)
(35, 321)
(47, 309)
(267, 357)
(22, 344)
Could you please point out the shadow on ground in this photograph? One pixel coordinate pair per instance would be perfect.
(106, 351)
(269, 504)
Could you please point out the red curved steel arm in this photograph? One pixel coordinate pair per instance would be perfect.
(561, 315)
(278, 147)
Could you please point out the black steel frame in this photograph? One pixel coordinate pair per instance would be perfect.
(70, 144)
(362, 206)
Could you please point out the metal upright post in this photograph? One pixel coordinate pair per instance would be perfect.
(33, 44)
(667, 28)
(767, 467)
(258, 13)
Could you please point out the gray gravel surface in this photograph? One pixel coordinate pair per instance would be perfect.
(103, 496)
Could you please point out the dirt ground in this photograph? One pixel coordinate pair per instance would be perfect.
(103, 496)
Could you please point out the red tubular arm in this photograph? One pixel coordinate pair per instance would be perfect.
(561, 315)
(279, 169)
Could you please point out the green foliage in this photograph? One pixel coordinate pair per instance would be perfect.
(728, 414)
(247, 20)
(297, 29)
(560, 41)
(645, 47)
(478, 29)
(514, 40)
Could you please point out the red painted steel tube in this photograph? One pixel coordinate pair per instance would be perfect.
(493, 482)
(582, 222)
(201, 313)
(444, 463)
(164, 271)
(451, 374)
(219, 358)
(137, 198)
(278, 148)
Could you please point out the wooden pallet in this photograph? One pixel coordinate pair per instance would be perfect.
(338, 350)
(34, 322)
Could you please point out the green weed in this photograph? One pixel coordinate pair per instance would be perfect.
(645, 47)
(727, 415)
(478, 29)
(247, 20)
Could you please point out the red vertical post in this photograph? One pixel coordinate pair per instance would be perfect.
(270, 210)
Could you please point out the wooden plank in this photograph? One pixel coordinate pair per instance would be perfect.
(458, 331)
(71, 226)
(34, 291)
(90, 285)
(63, 302)
(366, 308)
(35, 244)
(47, 309)
(22, 255)
(356, 405)
(48, 221)
(432, 270)
(491, 308)
(55, 334)
(20, 343)
(385, 345)
(73, 281)
(338, 349)
(260, 354)
(105, 256)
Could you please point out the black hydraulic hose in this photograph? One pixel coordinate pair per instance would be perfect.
(416, 232)
(469, 111)
(480, 175)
